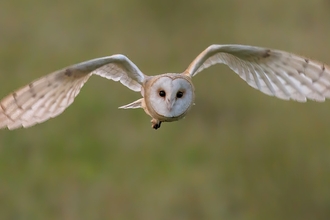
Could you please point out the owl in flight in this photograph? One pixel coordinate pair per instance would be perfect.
(169, 96)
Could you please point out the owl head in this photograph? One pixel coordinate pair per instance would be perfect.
(169, 96)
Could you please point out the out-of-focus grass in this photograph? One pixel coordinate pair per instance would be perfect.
(239, 154)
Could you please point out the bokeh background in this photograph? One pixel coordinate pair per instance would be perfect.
(239, 154)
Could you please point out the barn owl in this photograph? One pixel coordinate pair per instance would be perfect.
(168, 97)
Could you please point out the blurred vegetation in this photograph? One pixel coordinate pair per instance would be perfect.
(239, 154)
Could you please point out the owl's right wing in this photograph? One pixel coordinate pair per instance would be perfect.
(273, 72)
(50, 95)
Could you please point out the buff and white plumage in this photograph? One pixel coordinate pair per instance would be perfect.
(168, 97)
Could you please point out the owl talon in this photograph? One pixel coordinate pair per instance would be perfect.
(155, 124)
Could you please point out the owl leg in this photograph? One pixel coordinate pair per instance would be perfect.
(155, 124)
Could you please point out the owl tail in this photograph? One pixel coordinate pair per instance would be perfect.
(135, 104)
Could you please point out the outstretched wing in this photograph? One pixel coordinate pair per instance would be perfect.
(273, 72)
(50, 95)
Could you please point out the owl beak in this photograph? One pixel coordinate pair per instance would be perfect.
(169, 104)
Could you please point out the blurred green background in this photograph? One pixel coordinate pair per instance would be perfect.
(239, 154)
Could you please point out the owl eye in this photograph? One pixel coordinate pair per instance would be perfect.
(162, 93)
(179, 94)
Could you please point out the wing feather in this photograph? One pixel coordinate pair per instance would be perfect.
(273, 72)
(50, 95)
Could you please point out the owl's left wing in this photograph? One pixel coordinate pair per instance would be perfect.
(273, 72)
